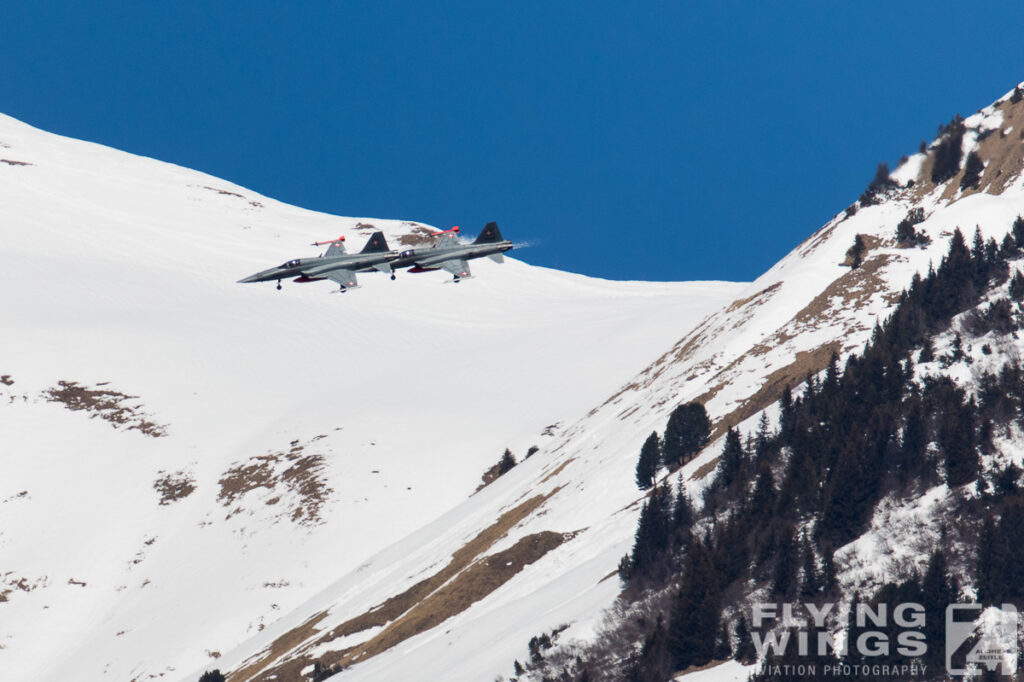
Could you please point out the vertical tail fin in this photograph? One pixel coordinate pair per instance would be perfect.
(489, 235)
(336, 248)
(376, 244)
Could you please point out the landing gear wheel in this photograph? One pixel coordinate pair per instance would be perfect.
(279, 285)
(392, 277)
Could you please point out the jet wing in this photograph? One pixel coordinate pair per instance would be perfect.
(346, 278)
(457, 266)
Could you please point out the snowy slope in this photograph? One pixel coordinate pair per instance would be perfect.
(580, 485)
(252, 446)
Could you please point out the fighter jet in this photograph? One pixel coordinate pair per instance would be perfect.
(333, 264)
(448, 253)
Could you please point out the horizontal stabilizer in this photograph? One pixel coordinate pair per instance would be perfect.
(457, 266)
(496, 257)
(376, 244)
(346, 278)
(490, 234)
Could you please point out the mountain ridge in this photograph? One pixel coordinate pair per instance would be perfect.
(784, 326)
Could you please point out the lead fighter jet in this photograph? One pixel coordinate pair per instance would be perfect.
(334, 264)
(448, 253)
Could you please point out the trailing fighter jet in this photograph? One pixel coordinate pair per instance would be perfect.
(448, 253)
(333, 264)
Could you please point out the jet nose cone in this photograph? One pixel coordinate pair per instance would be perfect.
(250, 278)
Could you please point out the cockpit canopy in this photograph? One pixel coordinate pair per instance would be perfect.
(407, 254)
(294, 263)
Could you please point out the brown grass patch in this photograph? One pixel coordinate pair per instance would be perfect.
(175, 486)
(300, 478)
(473, 584)
(418, 236)
(365, 226)
(413, 611)
(761, 297)
(807, 362)
(850, 291)
(9, 583)
(11, 162)
(112, 407)
(278, 648)
(223, 191)
(557, 470)
(1003, 155)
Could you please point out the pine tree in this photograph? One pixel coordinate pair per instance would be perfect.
(956, 440)
(746, 653)
(688, 430)
(508, 461)
(1008, 248)
(787, 414)
(1018, 231)
(647, 464)
(927, 352)
(682, 510)
(988, 578)
(1017, 286)
(829, 579)
(625, 569)
(784, 580)
(949, 152)
(762, 502)
(732, 458)
(914, 447)
(856, 252)
(1008, 548)
(973, 168)
(723, 642)
(906, 235)
(1008, 480)
(810, 581)
(653, 532)
(655, 661)
(697, 610)
(212, 676)
(938, 591)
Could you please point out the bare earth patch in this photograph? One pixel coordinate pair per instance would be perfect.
(466, 579)
(291, 478)
(116, 408)
(11, 583)
(174, 486)
(223, 191)
(11, 162)
(418, 236)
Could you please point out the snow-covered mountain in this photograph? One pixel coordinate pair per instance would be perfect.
(260, 482)
(186, 459)
(439, 605)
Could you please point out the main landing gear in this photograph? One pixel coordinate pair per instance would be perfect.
(279, 285)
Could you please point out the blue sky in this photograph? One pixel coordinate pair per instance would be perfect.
(650, 140)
